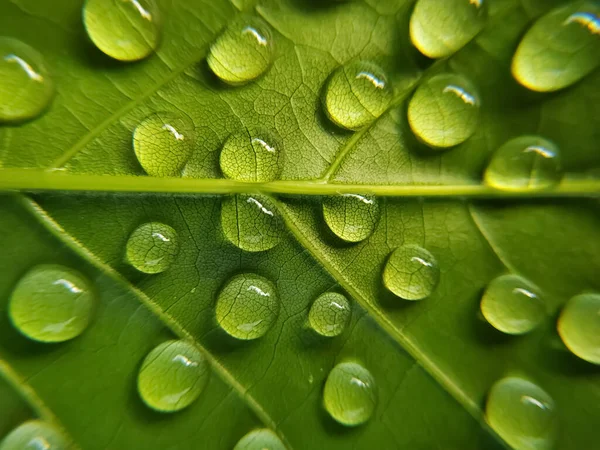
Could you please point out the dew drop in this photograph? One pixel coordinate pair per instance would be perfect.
(579, 326)
(152, 247)
(526, 163)
(444, 110)
(261, 439)
(350, 394)
(356, 94)
(513, 305)
(411, 272)
(163, 142)
(560, 49)
(35, 435)
(351, 217)
(251, 158)
(251, 222)
(522, 413)
(51, 303)
(242, 52)
(247, 306)
(329, 314)
(26, 88)
(438, 28)
(172, 376)
(127, 30)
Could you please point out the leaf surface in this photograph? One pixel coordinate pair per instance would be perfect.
(433, 361)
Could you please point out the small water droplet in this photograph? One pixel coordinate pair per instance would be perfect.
(411, 272)
(242, 52)
(247, 306)
(439, 28)
(560, 49)
(526, 163)
(522, 413)
(26, 88)
(251, 158)
(251, 222)
(513, 305)
(351, 217)
(444, 110)
(152, 247)
(163, 142)
(51, 303)
(261, 439)
(356, 94)
(127, 30)
(172, 376)
(35, 435)
(579, 326)
(350, 394)
(329, 314)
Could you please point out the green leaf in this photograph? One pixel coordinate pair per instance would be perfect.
(74, 191)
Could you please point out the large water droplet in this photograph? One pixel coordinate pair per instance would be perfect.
(526, 163)
(127, 30)
(329, 314)
(560, 48)
(444, 110)
(251, 222)
(411, 272)
(247, 306)
(356, 94)
(351, 217)
(172, 376)
(262, 439)
(35, 435)
(512, 304)
(579, 326)
(251, 158)
(163, 143)
(522, 413)
(242, 52)
(439, 28)
(350, 394)
(51, 303)
(152, 247)
(25, 85)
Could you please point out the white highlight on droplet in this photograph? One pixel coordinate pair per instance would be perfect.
(173, 131)
(69, 285)
(460, 93)
(254, 32)
(25, 66)
(378, 83)
(260, 206)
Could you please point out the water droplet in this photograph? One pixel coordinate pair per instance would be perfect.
(522, 413)
(35, 435)
(251, 222)
(439, 28)
(329, 314)
(243, 52)
(127, 30)
(444, 110)
(172, 376)
(579, 326)
(152, 247)
(163, 142)
(350, 394)
(526, 163)
(251, 158)
(356, 94)
(262, 439)
(247, 306)
(560, 48)
(351, 217)
(51, 303)
(411, 272)
(513, 305)
(26, 88)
